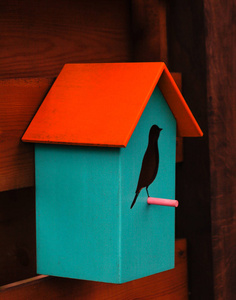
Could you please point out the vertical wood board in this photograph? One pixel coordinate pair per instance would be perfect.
(221, 99)
(186, 51)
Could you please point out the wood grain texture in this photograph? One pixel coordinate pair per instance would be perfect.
(221, 98)
(186, 49)
(149, 30)
(19, 100)
(38, 37)
(171, 284)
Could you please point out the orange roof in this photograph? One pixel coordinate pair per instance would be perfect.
(100, 104)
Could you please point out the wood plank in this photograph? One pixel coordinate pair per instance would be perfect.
(19, 100)
(149, 30)
(186, 48)
(171, 284)
(38, 37)
(221, 98)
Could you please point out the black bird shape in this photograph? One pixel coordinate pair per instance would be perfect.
(150, 163)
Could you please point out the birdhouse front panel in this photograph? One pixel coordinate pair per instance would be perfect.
(77, 212)
(105, 148)
(148, 231)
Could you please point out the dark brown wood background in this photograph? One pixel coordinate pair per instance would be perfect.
(221, 99)
(38, 37)
(186, 33)
(194, 38)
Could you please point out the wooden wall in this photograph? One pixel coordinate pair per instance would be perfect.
(201, 36)
(221, 100)
(38, 37)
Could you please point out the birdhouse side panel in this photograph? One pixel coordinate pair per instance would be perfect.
(77, 212)
(148, 231)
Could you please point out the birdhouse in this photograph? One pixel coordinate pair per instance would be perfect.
(105, 140)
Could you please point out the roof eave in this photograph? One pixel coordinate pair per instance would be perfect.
(187, 125)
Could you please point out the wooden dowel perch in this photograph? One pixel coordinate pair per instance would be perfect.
(164, 202)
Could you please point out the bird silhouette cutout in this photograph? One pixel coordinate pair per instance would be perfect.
(150, 163)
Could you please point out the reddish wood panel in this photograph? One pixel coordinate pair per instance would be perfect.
(171, 284)
(38, 37)
(149, 30)
(221, 92)
(19, 100)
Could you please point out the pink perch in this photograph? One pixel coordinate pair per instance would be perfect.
(160, 201)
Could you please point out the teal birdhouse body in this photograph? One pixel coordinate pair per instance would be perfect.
(91, 133)
(85, 228)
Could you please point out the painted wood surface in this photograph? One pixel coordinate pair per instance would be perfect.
(171, 284)
(77, 212)
(39, 37)
(151, 229)
(142, 220)
(85, 228)
(221, 100)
